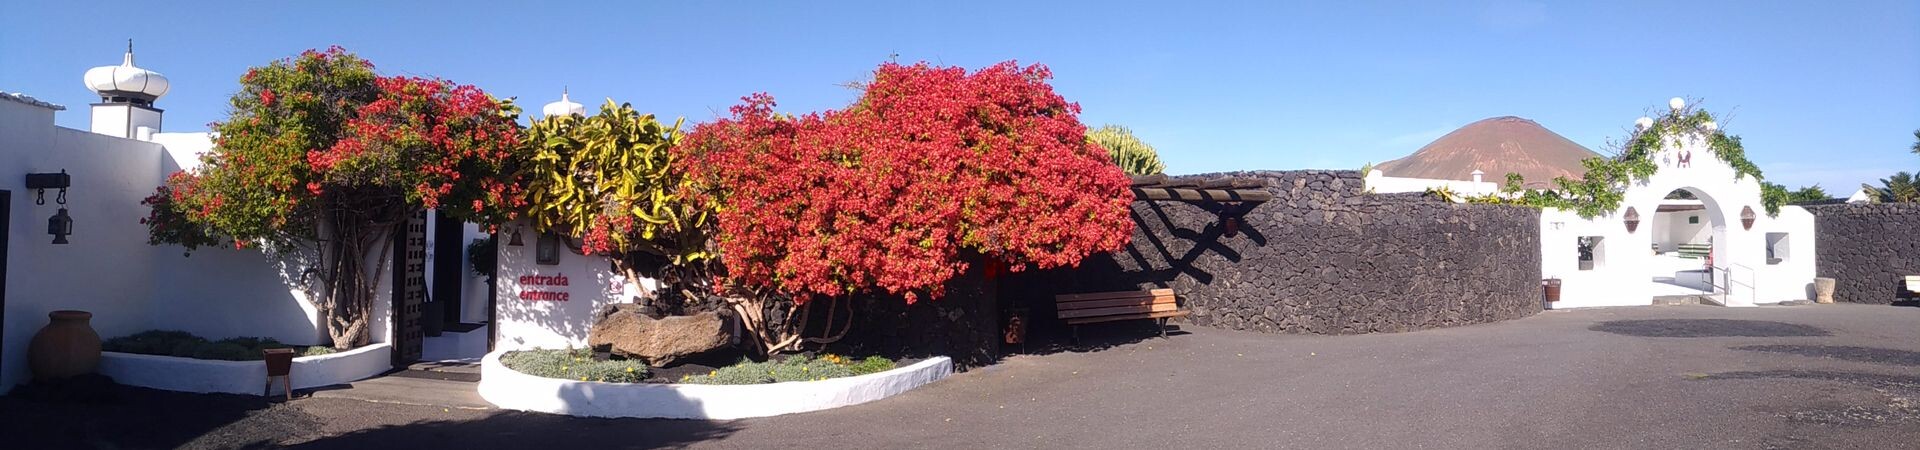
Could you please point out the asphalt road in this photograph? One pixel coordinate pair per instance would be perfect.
(1824, 376)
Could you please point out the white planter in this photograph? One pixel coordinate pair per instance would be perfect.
(509, 389)
(174, 373)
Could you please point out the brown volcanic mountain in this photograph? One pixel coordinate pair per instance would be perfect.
(1495, 146)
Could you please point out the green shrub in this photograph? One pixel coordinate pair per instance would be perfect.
(797, 368)
(574, 364)
(186, 345)
(1134, 156)
(225, 351)
(151, 342)
(318, 350)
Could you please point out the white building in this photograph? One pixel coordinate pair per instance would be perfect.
(1690, 230)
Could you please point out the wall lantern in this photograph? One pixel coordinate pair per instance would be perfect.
(1633, 219)
(1746, 217)
(546, 251)
(61, 224)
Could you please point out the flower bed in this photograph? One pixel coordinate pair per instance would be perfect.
(511, 389)
(185, 374)
(187, 345)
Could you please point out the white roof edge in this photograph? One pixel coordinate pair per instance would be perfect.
(27, 99)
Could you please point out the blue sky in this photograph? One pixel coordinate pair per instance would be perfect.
(1822, 92)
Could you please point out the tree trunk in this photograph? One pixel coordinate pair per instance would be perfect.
(349, 283)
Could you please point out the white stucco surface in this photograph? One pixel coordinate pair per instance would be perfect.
(242, 377)
(108, 268)
(526, 322)
(508, 389)
(1380, 182)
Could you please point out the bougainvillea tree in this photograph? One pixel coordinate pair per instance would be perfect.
(323, 156)
(613, 181)
(893, 193)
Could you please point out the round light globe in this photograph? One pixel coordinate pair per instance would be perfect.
(1643, 123)
(1677, 103)
(1710, 126)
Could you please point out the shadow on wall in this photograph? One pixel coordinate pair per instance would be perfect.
(1322, 257)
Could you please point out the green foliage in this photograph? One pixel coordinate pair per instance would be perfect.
(1604, 186)
(1902, 187)
(186, 345)
(482, 255)
(1774, 195)
(1916, 142)
(318, 350)
(574, 364)
(796, 368)
(1135, 157)
(1366, 169)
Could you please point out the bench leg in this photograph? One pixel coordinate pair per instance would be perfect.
(1163, 328)
(1076, 336)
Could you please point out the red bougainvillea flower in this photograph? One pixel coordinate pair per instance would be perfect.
(929, 164)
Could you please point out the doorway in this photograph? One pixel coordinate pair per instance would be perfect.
(1687, 230)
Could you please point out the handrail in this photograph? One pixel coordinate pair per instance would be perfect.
(1726, 289)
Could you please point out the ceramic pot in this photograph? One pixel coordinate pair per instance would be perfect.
(66, 347)
(1823, 290)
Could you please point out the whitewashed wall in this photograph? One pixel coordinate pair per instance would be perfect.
(108, 268)
(528, 323)
(1620, 277)
(1378, 182)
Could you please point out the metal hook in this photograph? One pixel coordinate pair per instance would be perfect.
(40, 196)
(62, 198)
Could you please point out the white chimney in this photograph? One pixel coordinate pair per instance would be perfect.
(126, 97)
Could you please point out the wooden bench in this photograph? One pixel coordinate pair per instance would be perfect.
(1695, 251)
(1913, 284)
(1157, 304)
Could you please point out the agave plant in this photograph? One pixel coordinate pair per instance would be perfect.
(1132, 155)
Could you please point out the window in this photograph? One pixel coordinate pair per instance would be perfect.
(1692, 220)
(1778, 248)
(1592, 253)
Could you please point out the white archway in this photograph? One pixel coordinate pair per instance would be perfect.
(1767, 260)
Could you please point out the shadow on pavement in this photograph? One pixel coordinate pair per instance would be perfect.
(515, 429)
(100, 414)
(1692, 328)
(1849, 353)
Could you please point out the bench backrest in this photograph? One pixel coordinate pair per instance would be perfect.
(1097, 304)
(1913, 283)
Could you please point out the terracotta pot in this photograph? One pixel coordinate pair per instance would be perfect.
(66, 347)
(1551, 286)
(1823, 290)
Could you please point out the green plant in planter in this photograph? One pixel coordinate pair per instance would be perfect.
(574, 364)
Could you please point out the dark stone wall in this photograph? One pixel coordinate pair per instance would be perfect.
(1322, 257)
(963, 324)
(1867, 249)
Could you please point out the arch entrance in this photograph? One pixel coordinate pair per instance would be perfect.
(1688, 234)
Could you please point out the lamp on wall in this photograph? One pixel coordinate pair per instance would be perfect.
(1633, 219)
(1746, 217)
(513, 238)
(61, 224)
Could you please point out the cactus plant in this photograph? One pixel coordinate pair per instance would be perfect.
(1134, 156)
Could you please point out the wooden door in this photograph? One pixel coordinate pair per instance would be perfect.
(409, 288)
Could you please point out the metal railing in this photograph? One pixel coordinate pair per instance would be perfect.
(1723, 282)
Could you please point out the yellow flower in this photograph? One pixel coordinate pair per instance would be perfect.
(629, 369)
(712, 372)
(563, 368)
(583, 378)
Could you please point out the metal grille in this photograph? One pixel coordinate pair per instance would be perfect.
(410, 281)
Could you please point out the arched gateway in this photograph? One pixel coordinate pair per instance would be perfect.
(1719, 245)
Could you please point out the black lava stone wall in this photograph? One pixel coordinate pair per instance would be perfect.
(1322, 257)
(963, 324)
(1867, 249)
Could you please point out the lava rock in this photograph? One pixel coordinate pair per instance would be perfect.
(625, 330)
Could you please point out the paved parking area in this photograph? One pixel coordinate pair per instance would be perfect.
(1822, 376)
